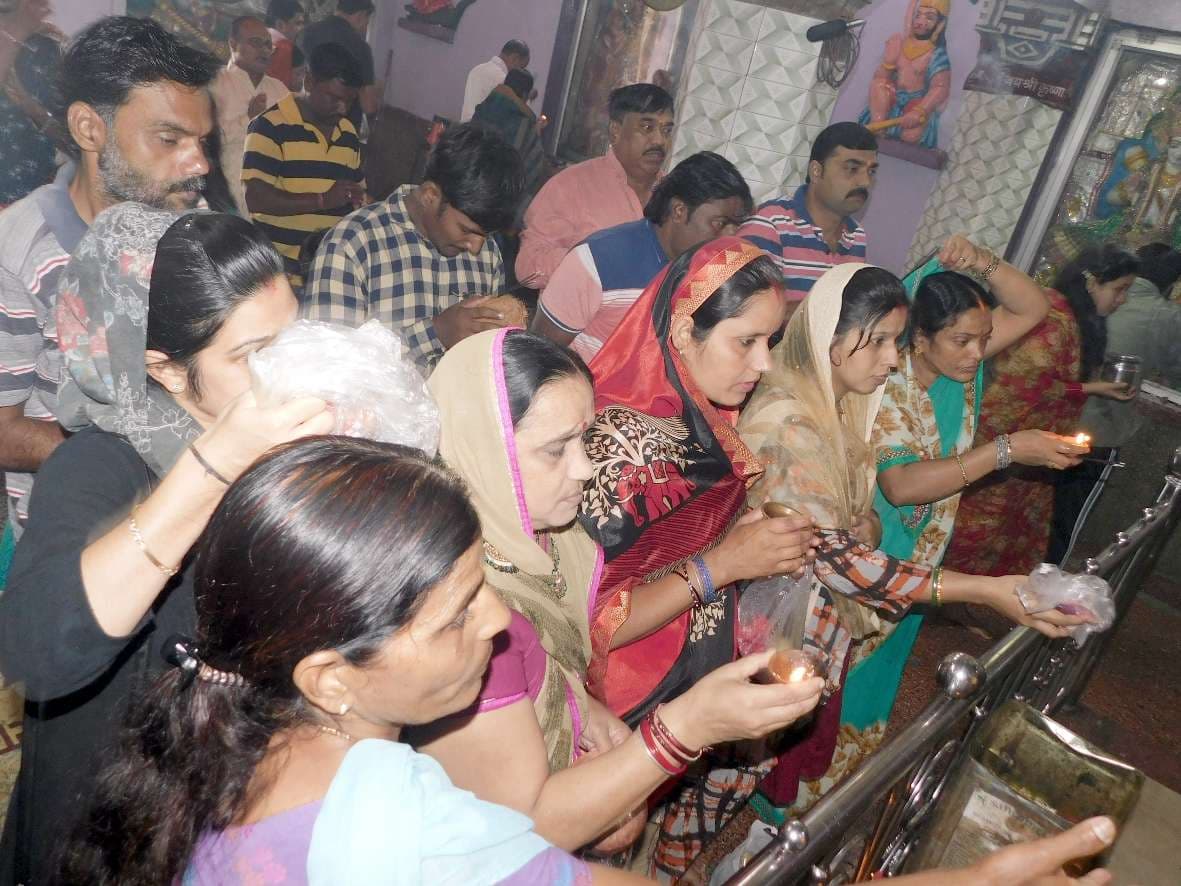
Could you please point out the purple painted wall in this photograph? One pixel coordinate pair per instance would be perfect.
(902, 190)
(428, 75)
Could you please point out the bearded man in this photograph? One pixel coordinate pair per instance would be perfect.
(137, 106)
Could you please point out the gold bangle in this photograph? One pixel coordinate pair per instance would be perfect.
(133, 527)
(937, 586)
(963, 473)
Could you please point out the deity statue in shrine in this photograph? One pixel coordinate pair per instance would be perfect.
(913, 82)
(1140, 200)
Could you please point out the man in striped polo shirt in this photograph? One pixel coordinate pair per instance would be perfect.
(302, 167)
(139, 115)
(815, 229)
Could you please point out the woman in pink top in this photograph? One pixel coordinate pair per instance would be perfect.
(514, 407)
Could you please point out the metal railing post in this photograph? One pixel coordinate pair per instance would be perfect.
(1022, 663)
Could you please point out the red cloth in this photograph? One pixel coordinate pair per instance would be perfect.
(657, 499)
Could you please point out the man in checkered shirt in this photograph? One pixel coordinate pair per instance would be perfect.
(418, 260)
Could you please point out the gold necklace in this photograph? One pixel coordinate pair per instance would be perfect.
(500, 563)
(339, 733)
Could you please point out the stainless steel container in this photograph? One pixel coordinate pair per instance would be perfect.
(1123, 368)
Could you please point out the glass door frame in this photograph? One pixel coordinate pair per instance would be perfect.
(1046, 199)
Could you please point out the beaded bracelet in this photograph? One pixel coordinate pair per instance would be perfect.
(709, 591)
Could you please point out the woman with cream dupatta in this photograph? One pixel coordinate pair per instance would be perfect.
(514, 407)
(810, 422)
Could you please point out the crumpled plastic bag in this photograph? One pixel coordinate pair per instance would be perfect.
(772, 611)
(375, 392)
(1051, 588)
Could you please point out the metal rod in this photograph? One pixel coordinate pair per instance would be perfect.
(1016, 660)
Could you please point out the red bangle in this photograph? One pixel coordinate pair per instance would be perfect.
(671, 742)
(657, 752)
(1075, 390)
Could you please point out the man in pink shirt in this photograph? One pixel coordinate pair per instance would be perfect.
(602, 192)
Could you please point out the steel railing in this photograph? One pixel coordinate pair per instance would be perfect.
(831, 842)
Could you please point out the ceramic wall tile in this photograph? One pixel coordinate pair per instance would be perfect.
(735, 18)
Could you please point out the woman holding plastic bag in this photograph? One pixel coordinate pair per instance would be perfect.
(810, 423)
(156, 393)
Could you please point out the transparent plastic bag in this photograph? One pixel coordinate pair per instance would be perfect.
(771, 612)
(1051, 588)
(374, 391)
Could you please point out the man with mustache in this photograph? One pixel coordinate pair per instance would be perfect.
(601, 192)
(242, 91)
(136, 103)
(815, 229)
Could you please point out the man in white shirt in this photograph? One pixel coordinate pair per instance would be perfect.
(482, 79)
(242, 91)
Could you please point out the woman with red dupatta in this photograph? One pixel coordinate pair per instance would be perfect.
(666, 500)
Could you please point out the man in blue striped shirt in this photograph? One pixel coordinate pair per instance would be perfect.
(815, 229)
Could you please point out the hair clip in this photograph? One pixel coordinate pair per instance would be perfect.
(181, 652)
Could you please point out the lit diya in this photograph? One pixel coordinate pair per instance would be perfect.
(792, 666)
(1082, 439)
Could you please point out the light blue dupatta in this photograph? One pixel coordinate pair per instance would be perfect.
(392, 817)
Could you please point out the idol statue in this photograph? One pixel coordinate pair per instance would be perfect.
(1140, 200)
(912, 84)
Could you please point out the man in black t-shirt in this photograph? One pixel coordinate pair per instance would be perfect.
(347, 27)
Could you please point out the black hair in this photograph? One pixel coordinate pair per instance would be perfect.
(206, 265)
(1152, 251)
(698, 179)
(118, 53)
(520, 81)
(1160, 266)
(327, 543)
(516, 47)
(1103, 263)
(849, 135)
(479, 173)
(729, 299)
(870, 295)
(236, 25)
(331, 61)
(940, 300)
(349, 7)
(282, 11)
(530, 363)
(638, 98)
(217, 191)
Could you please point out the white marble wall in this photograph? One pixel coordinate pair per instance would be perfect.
(999, 145)
(751, 94)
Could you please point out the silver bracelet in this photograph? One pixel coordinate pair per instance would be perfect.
(1004, 452)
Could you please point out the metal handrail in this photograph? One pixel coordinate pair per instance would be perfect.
(1023, 664)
